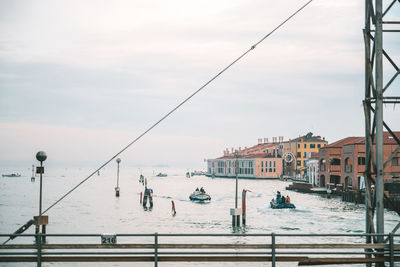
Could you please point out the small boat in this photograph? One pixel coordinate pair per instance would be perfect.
(199, 195)
(198, 173)
(285, 205)
(11, 175)
(162, 175)
(187, 174)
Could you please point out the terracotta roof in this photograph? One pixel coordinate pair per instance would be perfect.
(249, 156)
(388, 138)
(347, 141)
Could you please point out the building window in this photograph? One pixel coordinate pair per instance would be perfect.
(266, 169)
(305, 155)
(262, 164)
(274, 163)
(361, 160)
(335, 161)
(395, 161)
(299, 154)
(270, 169)
(274, 170)
(319, 145)
(305, 145)
(299, 163)
(262, 169)
(298, 145)
(312, 145)
(304, 163)
(270, 163)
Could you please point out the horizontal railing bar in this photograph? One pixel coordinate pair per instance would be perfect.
(202, 246)
(201, 253)
(301, 259)
(160, 234)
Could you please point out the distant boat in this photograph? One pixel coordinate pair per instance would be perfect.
(200, 195)
(285, 205)
(162, 175)
(187, 174)
(198, 173)
(11, 175)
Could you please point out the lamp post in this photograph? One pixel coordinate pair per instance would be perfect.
(40, 156)
(40, 219)
(117, 188)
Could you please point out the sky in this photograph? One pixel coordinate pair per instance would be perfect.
(82, 79)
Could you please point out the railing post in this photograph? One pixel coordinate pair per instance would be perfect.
(39, 249)
(273, 249)
(155, 249)
(391, 250)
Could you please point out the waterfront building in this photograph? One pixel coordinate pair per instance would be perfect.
(342, 163)
(312, 170)
(354, 163)
(263, 160)
(330, 162)
(301, 148)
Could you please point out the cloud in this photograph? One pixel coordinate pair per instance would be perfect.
(98, 68)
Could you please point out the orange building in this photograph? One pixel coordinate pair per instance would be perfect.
(301, 149)
(342, 163)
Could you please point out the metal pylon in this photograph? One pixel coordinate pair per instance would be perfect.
(378, 91)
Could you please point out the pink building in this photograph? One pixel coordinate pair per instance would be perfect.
(259, 161)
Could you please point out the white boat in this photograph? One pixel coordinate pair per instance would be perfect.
(199, 196)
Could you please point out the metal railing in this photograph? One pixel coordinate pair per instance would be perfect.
(306, 249)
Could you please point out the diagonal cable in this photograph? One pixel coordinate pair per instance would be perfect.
(175, 108)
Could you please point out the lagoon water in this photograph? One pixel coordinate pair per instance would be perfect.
(93, 207)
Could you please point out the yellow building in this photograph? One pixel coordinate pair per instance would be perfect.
(297, 151)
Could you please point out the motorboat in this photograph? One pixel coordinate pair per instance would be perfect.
(162, 175)
(199, 195)
(198, 173)
(11, 175)
(284, 205)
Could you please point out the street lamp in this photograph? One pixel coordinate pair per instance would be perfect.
(41, 220)
(117, 188)
(40, 156)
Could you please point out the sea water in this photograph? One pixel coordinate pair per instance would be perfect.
(93, 208)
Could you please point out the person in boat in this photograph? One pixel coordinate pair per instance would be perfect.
(283, 199)
(202, 190)
(197, 189)
(278, 197)
(288, 199)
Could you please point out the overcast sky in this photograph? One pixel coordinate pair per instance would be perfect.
(81, 79)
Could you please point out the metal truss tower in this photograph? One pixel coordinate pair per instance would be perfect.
(379, 90)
